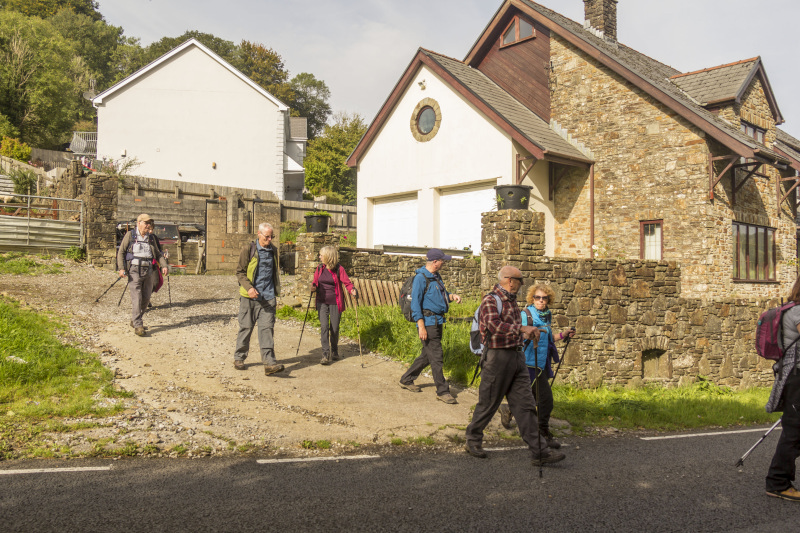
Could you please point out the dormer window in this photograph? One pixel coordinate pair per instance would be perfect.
(753, 131)
(518, 30)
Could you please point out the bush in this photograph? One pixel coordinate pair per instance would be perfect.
(24, 181)
(15, 149)
(289, 231)
(75, 253)
(7, 129)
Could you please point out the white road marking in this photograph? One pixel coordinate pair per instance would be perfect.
(309, 459)
(54, 470)
(505, 448)
(688, 435)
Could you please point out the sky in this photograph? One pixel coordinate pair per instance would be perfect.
(361, 48)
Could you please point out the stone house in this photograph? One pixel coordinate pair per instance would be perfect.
(191, 116)
(628, 157)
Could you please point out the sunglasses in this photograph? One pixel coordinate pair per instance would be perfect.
(545, 298)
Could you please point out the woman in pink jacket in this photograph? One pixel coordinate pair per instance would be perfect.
(330, 280)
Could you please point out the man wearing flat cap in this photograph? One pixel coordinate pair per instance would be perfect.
(138, 254)
(429, 303)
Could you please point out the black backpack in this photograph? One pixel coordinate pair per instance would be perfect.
(405, 295)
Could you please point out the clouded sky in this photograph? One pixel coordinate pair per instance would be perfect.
(360, 48)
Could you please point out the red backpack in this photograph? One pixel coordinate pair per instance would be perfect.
(769, 332)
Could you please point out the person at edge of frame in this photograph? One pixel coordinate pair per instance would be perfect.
(429, 303)
(137, 253)
(330, 281)
(259, 286)
(785, 397)
(539, 356)
(504, 371)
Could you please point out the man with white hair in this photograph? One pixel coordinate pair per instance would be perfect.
(259, 286)
(505, 372)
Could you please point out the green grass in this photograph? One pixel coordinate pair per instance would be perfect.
(43, 379)
(21, 263)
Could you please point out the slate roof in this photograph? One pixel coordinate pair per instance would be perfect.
(788, 144)
(651, 71)
(517, 115)
(726, 82)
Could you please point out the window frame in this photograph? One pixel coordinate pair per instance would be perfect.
(515, 22)
(744, 126)
(768, 277)
(642, 224)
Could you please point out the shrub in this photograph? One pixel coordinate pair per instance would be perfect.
(24, 180)
(15, 149)
(75, 253)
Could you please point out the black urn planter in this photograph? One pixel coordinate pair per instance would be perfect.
(512, 196)
(317, 223)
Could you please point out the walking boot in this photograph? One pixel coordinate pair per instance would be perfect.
(238, 364)
(326, 359)
(139, 332)
(410, 386)
(551, 441)
(505, 415)
(548, 457)
(274, 369)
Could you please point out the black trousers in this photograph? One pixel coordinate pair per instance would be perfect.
(504, 374)
(433, 355)
(782, 470)
(543, 395)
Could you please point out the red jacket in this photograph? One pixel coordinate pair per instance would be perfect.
(339, 277)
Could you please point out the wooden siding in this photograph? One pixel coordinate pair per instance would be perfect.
(522, 69)
(373, 293)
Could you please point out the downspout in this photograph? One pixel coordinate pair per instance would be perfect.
(591, 211)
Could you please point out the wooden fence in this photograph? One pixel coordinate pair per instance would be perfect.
(343, 217)
(373, 293)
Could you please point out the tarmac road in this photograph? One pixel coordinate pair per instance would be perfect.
(605, 484)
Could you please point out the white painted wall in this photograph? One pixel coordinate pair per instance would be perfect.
(538, 177)
(467, 149)
(188, 113)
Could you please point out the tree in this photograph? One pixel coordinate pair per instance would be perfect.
(311, 101)
(325, 164)
(41, 79)
(265, 67)
(47, 8)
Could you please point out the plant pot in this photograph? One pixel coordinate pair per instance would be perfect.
(512, 196)
(317, 223)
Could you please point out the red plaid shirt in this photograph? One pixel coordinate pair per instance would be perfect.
(500, 329)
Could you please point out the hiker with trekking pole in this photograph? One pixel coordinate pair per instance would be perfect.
(504, 371)
(785, 397)
(259, 287)
(539, 356)
(138, 255)
(330, 282)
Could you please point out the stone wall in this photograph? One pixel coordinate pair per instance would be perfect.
(231, 225)
(100, 201)
(653, 165)
(632, 324)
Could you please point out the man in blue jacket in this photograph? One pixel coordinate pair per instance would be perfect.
(429, 302)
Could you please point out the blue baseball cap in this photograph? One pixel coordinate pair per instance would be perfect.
(435, 254)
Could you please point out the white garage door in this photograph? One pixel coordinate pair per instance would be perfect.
(460, 216)
(395, 221)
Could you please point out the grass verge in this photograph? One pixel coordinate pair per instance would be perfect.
(43, 379)
(22, 263)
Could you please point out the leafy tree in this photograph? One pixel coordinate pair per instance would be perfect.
(325, 165)
(265, 67)
(48, 8)
(311, 101)
(41, 79)
(7, 129)
(15, 149)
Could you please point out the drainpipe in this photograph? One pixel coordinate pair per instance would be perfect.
(591, 211)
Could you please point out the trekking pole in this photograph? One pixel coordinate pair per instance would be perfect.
(123, 295)
(538, 433)
(358, 329)
(304, 324)
(740, 462)
(108, 289)
(561, 360)
(169, 292)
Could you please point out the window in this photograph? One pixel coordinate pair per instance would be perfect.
(651, 244)
(426, 120)
(518, 30)
(753, 253)
(752, 131)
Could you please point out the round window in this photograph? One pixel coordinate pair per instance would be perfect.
(426, 120)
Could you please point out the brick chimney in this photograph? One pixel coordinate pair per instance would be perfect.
(602, 16)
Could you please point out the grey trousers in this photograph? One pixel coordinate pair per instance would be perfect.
(259, 313)
(140, 285)
(505, 374)
(433, 355)
(332, 311)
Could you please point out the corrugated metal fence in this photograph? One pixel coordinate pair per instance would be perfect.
(38, 222)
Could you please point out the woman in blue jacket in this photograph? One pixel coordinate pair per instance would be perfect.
(539, 355)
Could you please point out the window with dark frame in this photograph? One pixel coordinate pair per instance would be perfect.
(426, 120)
(517, 31)
(753, 253)
(651, 243)
(753, 131)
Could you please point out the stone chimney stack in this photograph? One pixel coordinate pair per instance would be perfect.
(602, 16)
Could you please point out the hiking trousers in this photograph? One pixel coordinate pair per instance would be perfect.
(329, 318)
(256, 313)
(140, 285)
(782, 469)
(543, 395)
(504, 373)
(433, 355)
